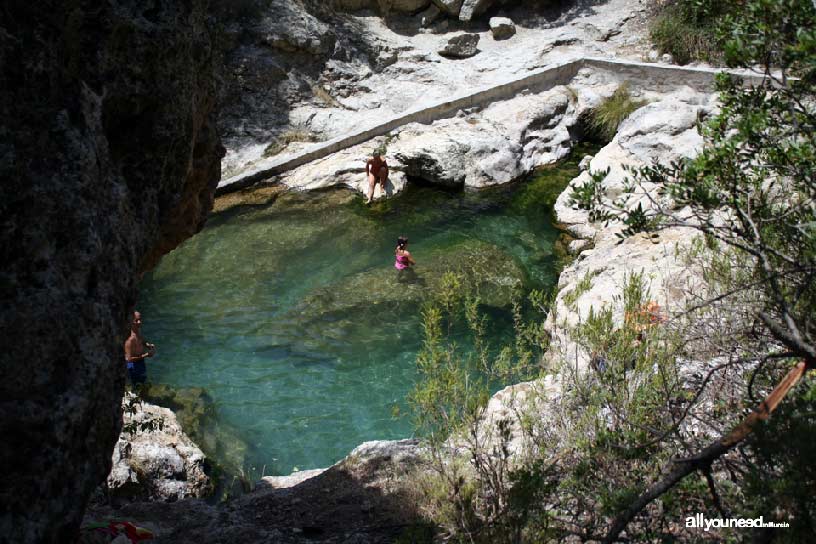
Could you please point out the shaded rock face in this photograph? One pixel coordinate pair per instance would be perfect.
(109, 157)
(365, 498)
(385, 6)
(472, 8)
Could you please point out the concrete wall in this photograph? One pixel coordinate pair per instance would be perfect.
(655, 76)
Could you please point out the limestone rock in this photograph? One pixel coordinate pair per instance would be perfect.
(157, 461)
(494, 146)
(346, 168)
(502, 28)
(472, 8)
(451, 7)
(378, 451)
(461, 47)
(294, 31)
(126, 94)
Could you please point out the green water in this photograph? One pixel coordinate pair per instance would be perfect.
(292, 317)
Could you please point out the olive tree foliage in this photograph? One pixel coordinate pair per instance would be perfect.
(753, 186)
(752, 193)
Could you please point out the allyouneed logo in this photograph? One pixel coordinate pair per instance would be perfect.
(699, 521)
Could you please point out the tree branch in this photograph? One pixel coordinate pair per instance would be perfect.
(704, 459)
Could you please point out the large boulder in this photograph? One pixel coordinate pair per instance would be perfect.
(110, 157)
(502, 28)
(472, 8)
(493, 146)
(154, 459)
(346, 168)
(461, 46)
(451, 7)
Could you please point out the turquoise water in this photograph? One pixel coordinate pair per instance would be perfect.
(292, 318)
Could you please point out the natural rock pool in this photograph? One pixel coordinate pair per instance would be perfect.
(292, 317)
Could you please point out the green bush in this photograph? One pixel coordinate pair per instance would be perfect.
(682, 40)
(589, 196)
(688, 29)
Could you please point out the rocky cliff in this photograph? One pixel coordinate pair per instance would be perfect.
(109, 156)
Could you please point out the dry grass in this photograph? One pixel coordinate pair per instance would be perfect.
(607, 117)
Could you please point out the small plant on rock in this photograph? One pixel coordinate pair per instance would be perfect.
(589, 196)
(605, 119)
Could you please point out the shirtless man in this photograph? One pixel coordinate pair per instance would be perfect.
(376, 170)
(136, 351)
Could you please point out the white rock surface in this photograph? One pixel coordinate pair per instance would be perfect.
(502, 28)
(471, 8)
(376, 71)
(662, 131)
(346, 168)
(495, 145)
(160, 464)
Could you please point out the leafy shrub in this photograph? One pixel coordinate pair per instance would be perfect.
(638, 220)
(589, 196)
(687, 29)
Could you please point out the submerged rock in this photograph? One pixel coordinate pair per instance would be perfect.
(194, 410)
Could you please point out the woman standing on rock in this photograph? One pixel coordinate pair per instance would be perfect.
(376, 170)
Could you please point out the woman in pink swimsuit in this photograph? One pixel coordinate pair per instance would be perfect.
(403, 257)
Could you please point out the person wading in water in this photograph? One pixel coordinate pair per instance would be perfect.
(403, 257)
(136, 351)
(376, 170)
